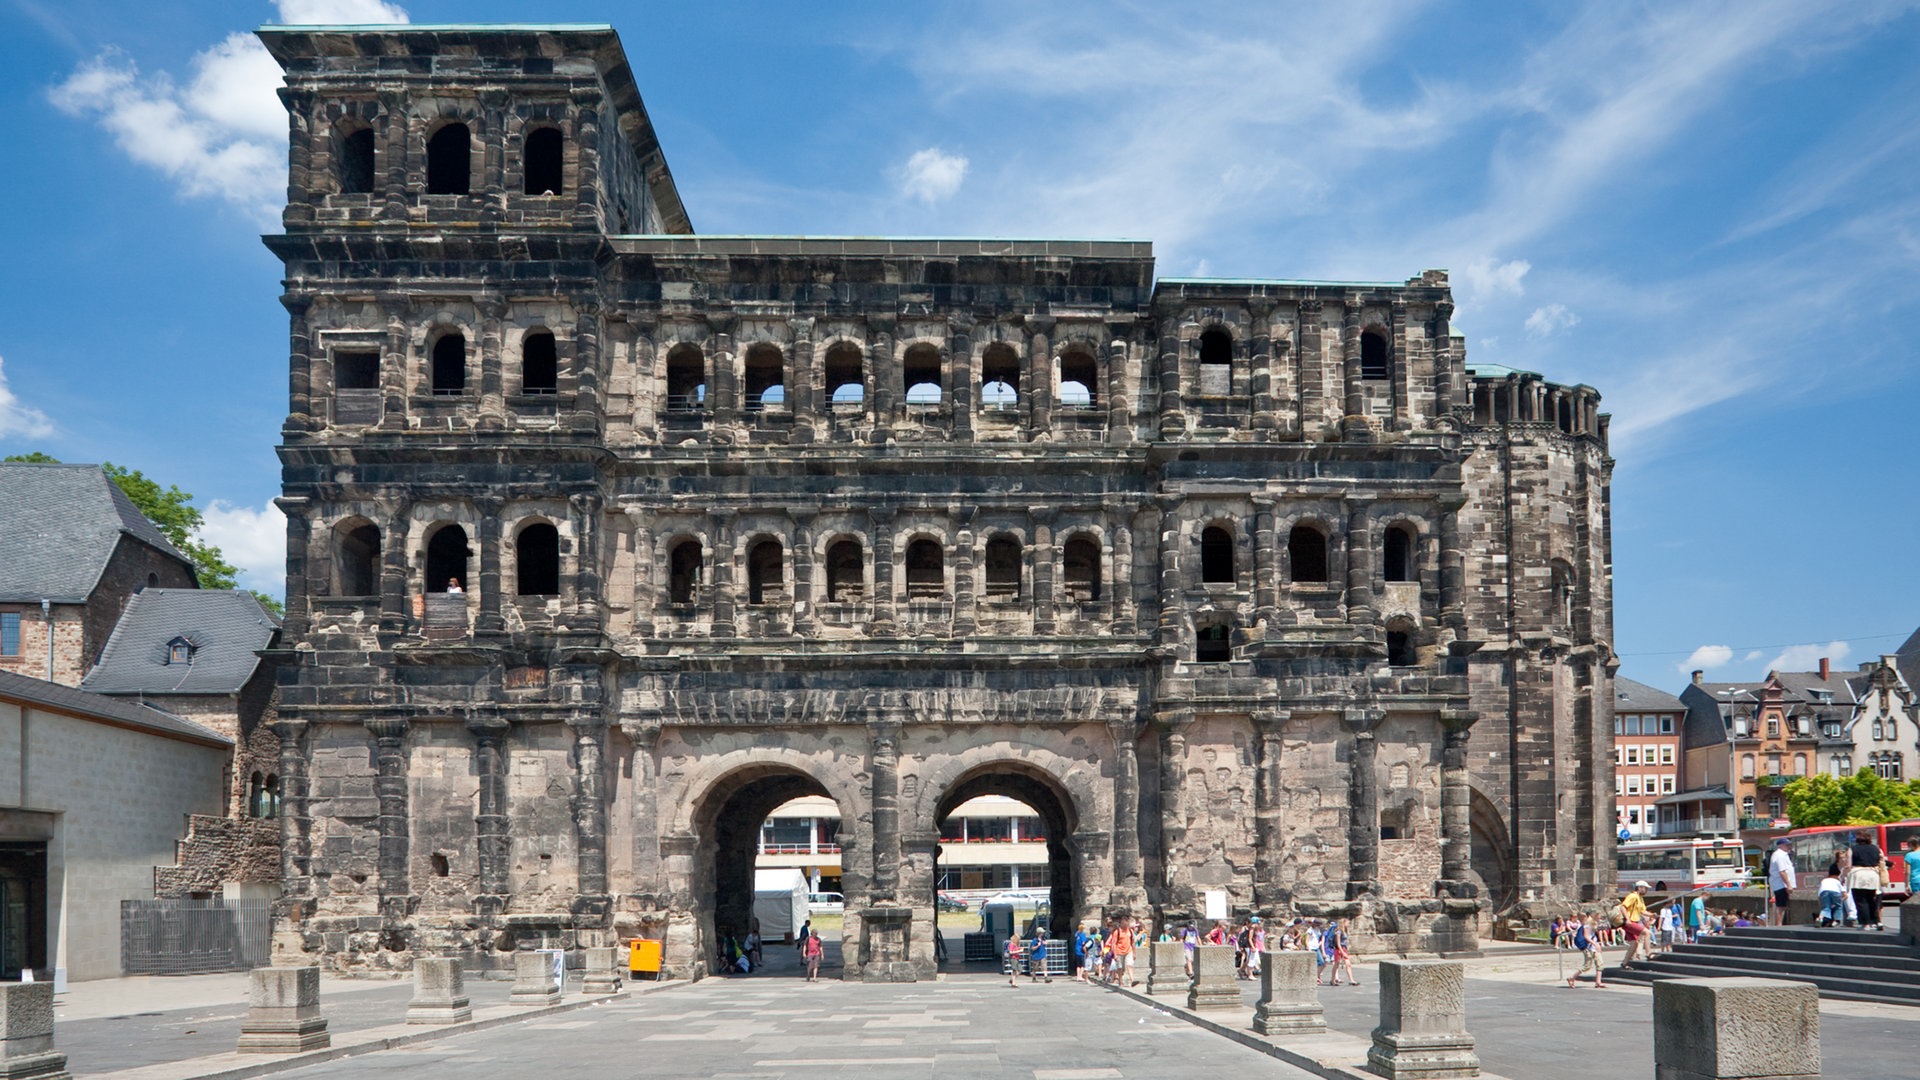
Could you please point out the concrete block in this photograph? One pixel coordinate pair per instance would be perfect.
(283, 1012)
(602, 971)
(1167, 968)
(1289, 998)
(26, 1033)
(1423, 1022)
(1216, 984)
(1735, 1029)
(533, 981)
(439, 993)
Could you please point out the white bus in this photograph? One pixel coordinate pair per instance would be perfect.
(1684, 865)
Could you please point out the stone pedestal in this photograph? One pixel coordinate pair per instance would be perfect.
(1289, 1000)
(884, 955)
(283, 1012)
(602, 972)
(1910, 919)
(1736, 1029)
(26, 1033)
(439, 993)
(1167, 968)
(1215, 983)
(533, 981)
(1423, 1022)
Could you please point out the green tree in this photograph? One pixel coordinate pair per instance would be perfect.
(1865, 798)
(172, 510)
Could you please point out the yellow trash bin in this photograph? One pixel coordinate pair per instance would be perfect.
(643, 957)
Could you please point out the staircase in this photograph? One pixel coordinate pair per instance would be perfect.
(1859, 965)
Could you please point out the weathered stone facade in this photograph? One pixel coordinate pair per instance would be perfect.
(1250, 586)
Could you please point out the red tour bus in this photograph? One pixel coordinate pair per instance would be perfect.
(1815, 847)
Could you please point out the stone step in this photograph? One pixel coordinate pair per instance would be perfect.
(1787, 967)
(1851, 989)
(1762, 954)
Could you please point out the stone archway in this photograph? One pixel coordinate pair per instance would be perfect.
(1493, 854)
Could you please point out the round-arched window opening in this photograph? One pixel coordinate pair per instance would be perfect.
(683, 572)
(1398, 548)
(545, 162)
(926, 570)
(447, 555)
(450, 161)
(1307, 554)
(356, 162)
(536, 556)
(1216, 556)
(449, 374)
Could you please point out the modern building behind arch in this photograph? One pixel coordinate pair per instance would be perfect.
(1252, 586)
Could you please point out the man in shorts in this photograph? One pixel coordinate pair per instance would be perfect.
(1781, 879)
(1634, 907)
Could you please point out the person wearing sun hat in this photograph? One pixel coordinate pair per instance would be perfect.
(1633, 911)
(1781, 878)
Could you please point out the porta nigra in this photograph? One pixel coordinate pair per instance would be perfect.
(606, 538)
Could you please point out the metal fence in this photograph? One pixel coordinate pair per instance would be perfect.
(193, 937)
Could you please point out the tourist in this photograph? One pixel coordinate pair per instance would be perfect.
(1315, 943)
(1081, 938)
(1342, 954)
(1842, 867)
(1586, 940)
(1833, 906)
(1697, 917)
(1189, 940)
(1122, 943)
(1781, 878)
(753, 945)
(1912, 859)
(453, 585)
(1037, 955)
(812, 949)
(1865, 879)
(1013, 959)
(1631, 915)
(1257, 946)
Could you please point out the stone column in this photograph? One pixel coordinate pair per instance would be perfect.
(303, 412)
(300, 571)
(1266, 561)
(1173, 819)
(884, 766)
(804, 623)
(1173, 584)
(395, 372)
(1261, 369)
(1040, 374)
(806, 411)
(583, 598)
(590, 810)
(490, 133)
(1363, 805)
(1356, 401)
(1456, 831)
(1446, 393)
(533, 981)
(1119, 407)
(493, 404)
(392, 128)
(1360, 567)
(646, 590)
(1400, 370)
(26, 1033)
(1423, 1022)
(296, 848)
(587, 409)
(1216, 985)
(492, 845)
(644, 733)
(1126, 807)
(724, 596)
(1289, 997)
(1167, 968)
(883, 609)
(393, 569)
(960, 357)
(1045, 559)
(586, 138)
(1736, 1029)
(302, 190)
(439, 992)
(390, 790)
(725, 380)
(965, 613)
(1125, 620)
(883, 375)
(283, 1012)
(1173, 417)
(1453, 576)
(492, 588)
(1268, 893)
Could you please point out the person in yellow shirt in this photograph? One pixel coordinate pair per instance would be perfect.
(1635, 909)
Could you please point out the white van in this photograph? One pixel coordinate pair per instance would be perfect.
(826, 903)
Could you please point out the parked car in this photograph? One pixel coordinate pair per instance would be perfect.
(943, 902)
(1021, 897)
(826, 903)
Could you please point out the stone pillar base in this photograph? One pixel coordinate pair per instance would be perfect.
(1289, 997)
(1272, 1018)
(457, 1011)
(47, 1066)
(26, 1033)
(1736, 1029)
(1167, 967)
(533, 980)
(1215, 983)
(439, 993)
(283, 1012)
(602, 972)
(1400, 1056)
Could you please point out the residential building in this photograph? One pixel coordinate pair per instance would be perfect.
(1788, 725)
(1705, 802)
(1647, 725)
(1883, 734)
(75, 551)
(987, 844)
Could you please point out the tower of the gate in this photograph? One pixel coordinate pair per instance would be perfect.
(605, 539)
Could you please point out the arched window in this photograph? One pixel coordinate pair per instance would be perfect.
(1216, 363)
(544, 161)
(539, 364)
(1079, 381)
(1216, 556)
(450, 161)
(920, 372)
(846, 374)
(1398, 549)
(447, 559)
(357, 559)
(1374, 362)
(926, 570)
(1878, 731)
(1562, 589)
(1213, 644)
(683, 572)
(766, 384)
(439, 864)
(765, 573)
(257, 795)
(686, 379)
(846, 572)
(1082, 566)
(449, 375)
(1307, 554)
(1746, 766)
(1400, 646)
(356, 162)
(270, 797)
(536, 560)
(1003, 566)
(999, 378)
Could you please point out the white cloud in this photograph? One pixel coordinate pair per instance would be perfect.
(18, 421)
(1706, 658)
(1550, 320)
(253, 540)
(1807, 657)
(933, 175)
(224, 135)
(1483, 278)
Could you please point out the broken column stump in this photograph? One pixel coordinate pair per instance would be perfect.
(602, 971)
(439, 993)
(533, 981)
(1216, 984)
(1289, 998)
(1167, 968)
(1423, 1022)
(1735, 1029)
(283, 1012)
(26, 1033)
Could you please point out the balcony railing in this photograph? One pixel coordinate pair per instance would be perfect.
(1688, 826)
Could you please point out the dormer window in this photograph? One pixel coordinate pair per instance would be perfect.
(179, 651)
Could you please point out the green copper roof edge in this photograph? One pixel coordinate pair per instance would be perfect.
(1283, 281)
(392, 28)
(841, 237)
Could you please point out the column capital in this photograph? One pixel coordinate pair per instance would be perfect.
(1361, 721)
(1174, 719)
(388, 727)
(1270, 722)
(487, 725)
(1458, 722)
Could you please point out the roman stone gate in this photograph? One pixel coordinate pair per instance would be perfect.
(605, 538)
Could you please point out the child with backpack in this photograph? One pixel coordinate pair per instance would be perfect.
(1586, 940)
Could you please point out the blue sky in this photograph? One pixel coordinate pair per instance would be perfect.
(1709, 212)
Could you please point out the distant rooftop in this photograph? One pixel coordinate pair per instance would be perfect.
(222, 629)
(59, 525)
